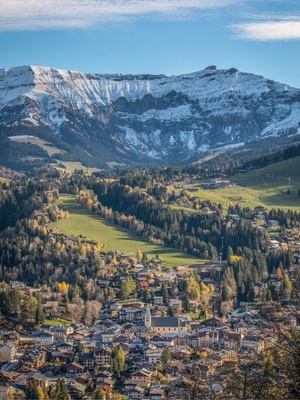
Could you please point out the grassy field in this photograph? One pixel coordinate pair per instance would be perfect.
(272, 182)
(235, 194)
(263, 187)
(84, 222)
(57, 322)
(175, 207)
(70, 167)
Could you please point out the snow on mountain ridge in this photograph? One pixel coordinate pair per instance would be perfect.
(154, 115)
(78, 88)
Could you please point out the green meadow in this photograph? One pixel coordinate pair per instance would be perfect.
(266, 187)
(84, 222)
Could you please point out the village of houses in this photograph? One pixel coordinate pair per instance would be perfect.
(82, 355)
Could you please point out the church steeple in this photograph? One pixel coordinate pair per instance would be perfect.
(147, 317)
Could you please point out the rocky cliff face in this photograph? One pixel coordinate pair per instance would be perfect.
(145, 118)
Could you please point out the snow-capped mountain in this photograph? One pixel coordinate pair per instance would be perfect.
(146, 118)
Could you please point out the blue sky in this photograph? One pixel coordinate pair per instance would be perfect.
(154, 36)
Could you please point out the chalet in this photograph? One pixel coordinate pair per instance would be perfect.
(103, 375)
(272, 223)
(33, 359)
(275, 244)
(138, 267)
(136, 393)
(56, 356)
(213, 322)
(192, 340)
(61, 332)
(115, 306)
(74, 369)
(8, 352)
(84, 378)
(142, 274)
(179, 339)
(76, 388)
(8, 377)
(157, 394)
(143, 377)
(131, 314)
(207, 337)
(87, 360)
(10, 337)
(130, 384)
(102, 356)
(181, 353)
(89, 345)
(44, 338)
(162, 341)
(259, 209)
(252, 342)
(106, 384)
(38, 379)
(233, 340)
(166, 278)
(158, 300)
(176, 304)
(234, 217)
(260, 218)
(174, 368)
(65, 348)
(153, 356)
(218, 182)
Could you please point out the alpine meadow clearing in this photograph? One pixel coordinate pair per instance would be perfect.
(84, 222)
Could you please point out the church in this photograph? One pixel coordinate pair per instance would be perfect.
(163, 325)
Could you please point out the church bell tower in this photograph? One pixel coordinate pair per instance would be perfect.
(147, 317)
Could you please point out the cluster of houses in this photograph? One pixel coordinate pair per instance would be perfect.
(83, 355)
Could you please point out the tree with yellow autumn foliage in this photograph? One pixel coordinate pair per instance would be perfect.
(63, 288)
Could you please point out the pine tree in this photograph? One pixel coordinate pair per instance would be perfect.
(165, 294)
(61, 392)
(144, 259)
(165, 356)
(186, 305)
(127, 288)
(34, 392)
(118, 360)
(39, 314)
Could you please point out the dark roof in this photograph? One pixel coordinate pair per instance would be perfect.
(168, 322)
(75, 364)
(86, 356)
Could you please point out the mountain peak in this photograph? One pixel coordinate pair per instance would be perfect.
(155, 117)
